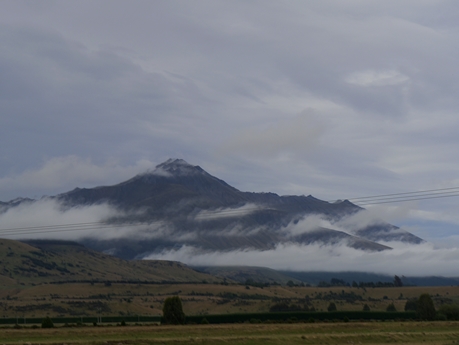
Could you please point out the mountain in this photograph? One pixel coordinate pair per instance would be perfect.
(178, 204)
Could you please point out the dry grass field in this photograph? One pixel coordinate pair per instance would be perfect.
(318, 333)
(85, 299)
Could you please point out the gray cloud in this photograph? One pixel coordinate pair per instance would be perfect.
(226, 85)
(18, 222)
(299, 134)
(403, 259)
(49, 219)
(71, 170)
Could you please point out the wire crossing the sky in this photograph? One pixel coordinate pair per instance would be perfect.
(209, 215)
(407, 196)
(204, 215)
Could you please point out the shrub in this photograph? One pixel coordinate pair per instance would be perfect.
(426, 308)
(440, 317)
(173, 311)
(451, 311)
(332, 307)
(204, 321)
(411, 305)
(391, 307)
(47, 323)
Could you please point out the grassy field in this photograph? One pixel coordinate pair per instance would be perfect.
(85, 299)
(318, 333)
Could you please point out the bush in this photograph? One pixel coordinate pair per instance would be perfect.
(204, 321)
(173, 311)
(451, 311)
(47, 323)
(331, 307)
(366, 307)
(440, 317)
(411, 305)
(391, 307)
(426, 308)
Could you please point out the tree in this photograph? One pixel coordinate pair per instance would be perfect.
(411, 305)
(173, 312)
(47, 323)
(398, 282)
(391, 307)
(426, 309)
(331, 307)
(366, 307)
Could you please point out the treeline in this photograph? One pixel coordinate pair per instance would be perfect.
(145, 282)
(302, 317)
(397, 282)
(226, 318)
(80, 320)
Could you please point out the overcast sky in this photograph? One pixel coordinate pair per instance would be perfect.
(338, 99)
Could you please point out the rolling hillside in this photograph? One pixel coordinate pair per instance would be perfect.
(41, 262)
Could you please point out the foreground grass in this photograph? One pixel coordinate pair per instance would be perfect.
(323, 333)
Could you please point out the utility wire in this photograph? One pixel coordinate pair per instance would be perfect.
(209, 215)
(407, 193)
(402, 200)
(408, 196)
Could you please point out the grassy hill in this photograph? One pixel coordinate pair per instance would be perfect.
(41, 262)
(252, 274)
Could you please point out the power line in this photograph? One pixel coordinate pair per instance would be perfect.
(406, 193)
(209, 215)
(403, 200)
(49, 229)
(407, 196)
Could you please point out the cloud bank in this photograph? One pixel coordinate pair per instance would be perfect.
(409, 260)
(403, 259)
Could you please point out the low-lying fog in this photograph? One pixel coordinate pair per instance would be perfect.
(25, 222)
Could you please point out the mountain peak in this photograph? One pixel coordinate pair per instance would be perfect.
(176, 167)
(174, 162)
